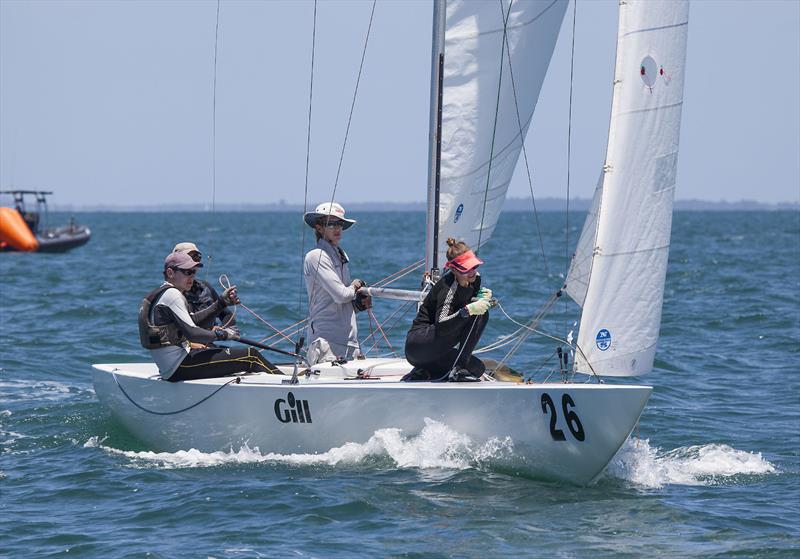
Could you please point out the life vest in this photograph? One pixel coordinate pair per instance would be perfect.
(150, 335)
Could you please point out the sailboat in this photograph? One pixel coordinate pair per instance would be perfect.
(489, 60)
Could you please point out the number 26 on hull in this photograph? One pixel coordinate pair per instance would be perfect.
(571, 417)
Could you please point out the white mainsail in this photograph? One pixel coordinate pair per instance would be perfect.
(480, 131)
(618, 271)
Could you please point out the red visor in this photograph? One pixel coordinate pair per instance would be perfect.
(464, 262)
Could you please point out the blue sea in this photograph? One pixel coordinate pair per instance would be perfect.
(711, 471)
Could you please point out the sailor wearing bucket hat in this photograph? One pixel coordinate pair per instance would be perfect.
(332, 329)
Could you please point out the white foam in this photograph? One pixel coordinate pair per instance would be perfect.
(8, 438)
(437, 446)
(641, 464)
(49, 390)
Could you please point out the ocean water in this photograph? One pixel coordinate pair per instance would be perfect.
(713, 468)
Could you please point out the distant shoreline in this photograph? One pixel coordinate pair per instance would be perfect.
(511, 205)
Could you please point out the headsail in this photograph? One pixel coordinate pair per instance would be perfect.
(480, 131)
(618, 271)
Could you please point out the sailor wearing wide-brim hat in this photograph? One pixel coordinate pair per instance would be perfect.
(332, 328)
(330, 210)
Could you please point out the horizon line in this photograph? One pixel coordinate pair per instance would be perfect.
(510, 205)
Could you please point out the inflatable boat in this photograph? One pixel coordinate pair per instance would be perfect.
(20, 229)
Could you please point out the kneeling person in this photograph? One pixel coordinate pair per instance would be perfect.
(450, 322)
(166, 329)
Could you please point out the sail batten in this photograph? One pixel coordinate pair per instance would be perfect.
(619, 267)
(659, 28)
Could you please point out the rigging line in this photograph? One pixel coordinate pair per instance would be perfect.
(346, 134)
(463, 345)
(511, 338)
(531, 326)
(569, 155)
(525, 154)
(390, 317)
(308, 158)
(225, 283)
(402, 273)
(209, 259)
(542, 364)
(534, 330)
(538, 315)
(277, 332)
(288, 331)
(353, 103)
(236, 380)
(586, 359)
(405, 307)
(515, 335)
(371, 331)
(283, 333)
(494, 128)
(378, 324)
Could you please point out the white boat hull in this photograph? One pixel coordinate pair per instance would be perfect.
(557, 430)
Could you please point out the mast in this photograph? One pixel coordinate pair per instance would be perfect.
(435, 138)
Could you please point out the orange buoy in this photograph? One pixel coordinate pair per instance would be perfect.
(15, 232)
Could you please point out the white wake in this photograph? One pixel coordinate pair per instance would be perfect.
(709, 464)
(436, 447)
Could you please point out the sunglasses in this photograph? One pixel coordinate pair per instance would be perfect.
(191, 272)
(463, 272)
(335, 224)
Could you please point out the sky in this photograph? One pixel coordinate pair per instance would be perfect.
(113, 102)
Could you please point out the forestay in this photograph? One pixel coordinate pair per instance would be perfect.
(618, 270)
(478, 151)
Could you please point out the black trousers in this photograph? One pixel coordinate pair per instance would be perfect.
(221, 361)
(438, 356)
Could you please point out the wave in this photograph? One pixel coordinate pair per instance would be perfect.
(47, 390)
(641, 464)
(440, 447)
(436, 447)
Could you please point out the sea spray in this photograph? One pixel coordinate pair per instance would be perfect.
(438, 446)
(641, 464)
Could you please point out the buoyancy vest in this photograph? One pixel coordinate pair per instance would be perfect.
(150, 335)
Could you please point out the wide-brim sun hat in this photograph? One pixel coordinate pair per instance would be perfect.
(328, 209)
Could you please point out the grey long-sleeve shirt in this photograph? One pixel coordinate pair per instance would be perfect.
(330, 297)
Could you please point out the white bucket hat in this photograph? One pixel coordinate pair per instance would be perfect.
(327, 209)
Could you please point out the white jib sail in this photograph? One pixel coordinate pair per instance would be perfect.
(619, 268)
(479, 151)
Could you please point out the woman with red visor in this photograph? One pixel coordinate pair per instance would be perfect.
(450, 322)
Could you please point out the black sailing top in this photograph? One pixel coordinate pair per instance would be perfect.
(443, 304)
